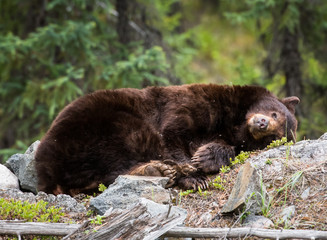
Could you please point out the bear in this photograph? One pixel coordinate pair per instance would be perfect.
(181, 132)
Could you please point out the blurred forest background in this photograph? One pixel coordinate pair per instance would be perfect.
(53, 51)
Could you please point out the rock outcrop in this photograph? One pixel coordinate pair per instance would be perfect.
(23, 166)
(128, 190)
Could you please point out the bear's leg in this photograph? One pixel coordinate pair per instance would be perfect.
(210, 157)
(156, 168)
(167, 168)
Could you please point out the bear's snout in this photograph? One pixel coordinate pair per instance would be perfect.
(260, 125)
(260, 121)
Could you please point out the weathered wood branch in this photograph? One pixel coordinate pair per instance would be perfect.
(244, 232)
(61, 229)
(36, 228)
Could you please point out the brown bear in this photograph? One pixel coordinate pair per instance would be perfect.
(182, 132)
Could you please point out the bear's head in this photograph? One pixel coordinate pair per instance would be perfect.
(272, 119)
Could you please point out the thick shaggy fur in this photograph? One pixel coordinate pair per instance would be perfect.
(182, 132)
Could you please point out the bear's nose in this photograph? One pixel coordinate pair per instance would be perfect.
(261, 122)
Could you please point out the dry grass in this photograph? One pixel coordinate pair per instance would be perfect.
(311, 211)
(286, 189)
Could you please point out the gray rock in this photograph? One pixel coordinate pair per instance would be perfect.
(305, 193)
(254, 221)
(23, 165)
(247, 192)
(155, 208)
(309, 150)
(7, 178)
(288, 213)
(323, 137)
(18, 195)
(214, 205)
(13, 163)
(306, 151)
(205, 218)
(67, 203)
(127, 190)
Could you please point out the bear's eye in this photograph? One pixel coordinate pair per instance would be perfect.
(274, 115)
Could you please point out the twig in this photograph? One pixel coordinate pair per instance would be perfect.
(242, 232)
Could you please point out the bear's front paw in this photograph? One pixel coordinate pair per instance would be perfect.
(187, 169)
(193, 182)
(211, 157)
(157, 168)
(204, 159)
(165, 170)
(180, 169)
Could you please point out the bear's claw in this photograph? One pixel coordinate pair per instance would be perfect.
(194, 182)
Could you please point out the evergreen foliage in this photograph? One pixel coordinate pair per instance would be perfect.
(53, 52)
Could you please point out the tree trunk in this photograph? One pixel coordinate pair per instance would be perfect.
(122, 7)
(291, 64)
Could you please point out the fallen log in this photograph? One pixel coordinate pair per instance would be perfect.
(244, 232)
(62, 229)
(36, 228)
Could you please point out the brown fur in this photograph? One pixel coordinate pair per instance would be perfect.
(187, 131)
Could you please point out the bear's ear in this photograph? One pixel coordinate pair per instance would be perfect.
(290, 103)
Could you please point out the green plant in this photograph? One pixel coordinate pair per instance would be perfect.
(265, 206)
(203, 193)
(279, 142)
(97, 220)
(218, 183)
(89, 213)
(292, 181)
(244, 214)
(31, 212)
(287, 155)
(246, 207)
(289, 184)
(268, 162)
(102, 187)
(241, 158)
(185, 193)
(225, 169)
